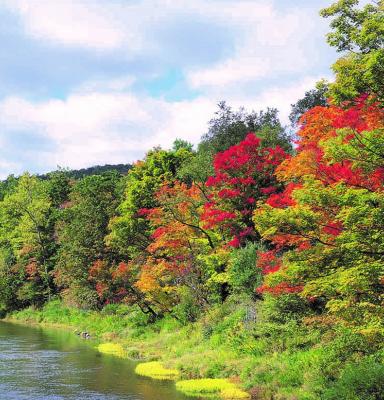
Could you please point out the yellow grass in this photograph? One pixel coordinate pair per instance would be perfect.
(219, 387)
(156, 370)
(112, 348)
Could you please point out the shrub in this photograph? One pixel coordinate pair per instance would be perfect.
(243, 274)
(359, 381)
(188, 309)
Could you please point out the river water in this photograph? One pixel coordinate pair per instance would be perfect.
(40, 363)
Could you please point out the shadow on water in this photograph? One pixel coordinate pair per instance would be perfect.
(40, 363)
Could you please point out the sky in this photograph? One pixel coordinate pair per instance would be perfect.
(87, 83)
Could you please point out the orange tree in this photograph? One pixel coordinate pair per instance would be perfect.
(329, 220)
(176, 258)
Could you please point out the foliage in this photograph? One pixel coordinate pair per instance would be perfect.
(332, 217)
(129, 231)
(26, 243)
(243, 175)
(243, 274)
(77, 174)
(364, 380)
(222, 387)
(81, 232)
(228, 128)
(114, 349)
(245, 259)
(358, 33)
(312, 98)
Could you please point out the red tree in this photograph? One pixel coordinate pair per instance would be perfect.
(243, 175)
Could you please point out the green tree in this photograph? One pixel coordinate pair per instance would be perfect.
(358, 33)
(312, 98)
(82, 228)
(330, 217)
(229, 128)
(130, 231)
(26, 240)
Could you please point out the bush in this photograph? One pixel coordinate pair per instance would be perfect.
(243, 275)
(284, 308)
(156, 370)
(116, 309)
(188, 309)
(81, 297)
(346, 347)
(359, 381)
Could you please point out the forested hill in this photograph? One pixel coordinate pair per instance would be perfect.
(96, 170)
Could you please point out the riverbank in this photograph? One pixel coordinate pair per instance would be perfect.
(281, 360)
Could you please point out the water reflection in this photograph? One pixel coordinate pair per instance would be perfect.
(38, 363)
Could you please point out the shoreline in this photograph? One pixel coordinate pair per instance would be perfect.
(149, 365)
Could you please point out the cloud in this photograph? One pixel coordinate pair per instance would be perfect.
(273, 43)
(98, 128)
(70, 22)
(6, 167)
(214, 42)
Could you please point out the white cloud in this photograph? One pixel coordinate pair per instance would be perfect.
(228, 72)
(7, 166)
(280, 97)
(104, 121)
(268, 43)
(70, 22)
(98, 128)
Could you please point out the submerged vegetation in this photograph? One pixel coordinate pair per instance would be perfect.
(253, 263)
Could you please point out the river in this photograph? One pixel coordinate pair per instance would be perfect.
(41, 363)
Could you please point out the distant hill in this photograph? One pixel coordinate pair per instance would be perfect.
(95, 170)
(99, 169)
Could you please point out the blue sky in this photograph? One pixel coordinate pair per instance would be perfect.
(102, 81)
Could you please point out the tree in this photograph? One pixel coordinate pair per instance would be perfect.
(358, 34)
(82, 228)
(7, 186)
(229, 128)
(26, 241)
(175, 257)
(182, 144)
(129, 231)
(330, 218)
(311, 99)
(244, 174)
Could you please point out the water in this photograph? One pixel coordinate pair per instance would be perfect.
(40, 363)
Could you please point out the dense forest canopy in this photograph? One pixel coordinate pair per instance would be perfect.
(293, 225)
